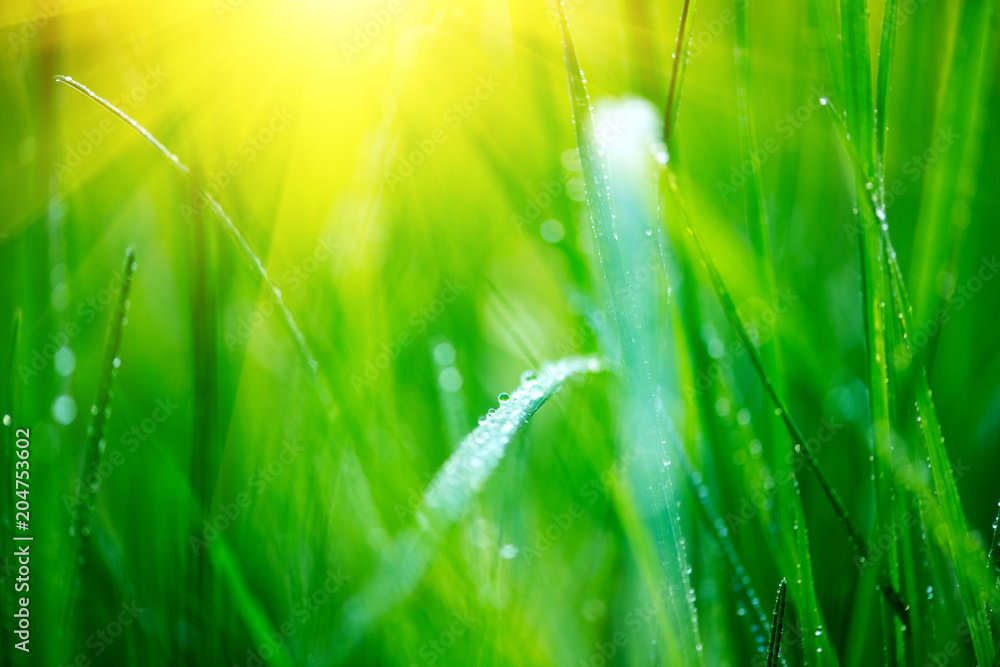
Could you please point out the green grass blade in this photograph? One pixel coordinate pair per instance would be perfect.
(858, 80)
(857, 540)
(685, 32)
(650, 424)
(447, 499)
(94, 445)
(954, 525)
(790, 511)
(887, 49)
(230, 228)
(715, 525)
(774, 648)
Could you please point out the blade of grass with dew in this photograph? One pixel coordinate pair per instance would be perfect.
(867, 131)
(642, 390)
(739, 581)
(629, 159)
(700, 411)
(857, 541)
(94, 445)
(777, 621)
(819, 645)
(231, 229)
(953, 518)
(685, 32)
(881, 395)
(448, 497)
(962, 552)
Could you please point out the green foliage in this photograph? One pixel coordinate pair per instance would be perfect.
(751, 254)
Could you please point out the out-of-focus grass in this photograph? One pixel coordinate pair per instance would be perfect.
(416, 195)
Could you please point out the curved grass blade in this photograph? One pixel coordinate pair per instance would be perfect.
(94, 445)
(303, 348)
(777, 622)
(448, 497)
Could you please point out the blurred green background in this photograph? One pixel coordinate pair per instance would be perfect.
(406, 171)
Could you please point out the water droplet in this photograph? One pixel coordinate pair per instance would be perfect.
(64, 409)
(504, 397)
(64, 362)
(509, 552)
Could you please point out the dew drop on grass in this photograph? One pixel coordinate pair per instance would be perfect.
(450, 380)
(64, 362)
(504, 397)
